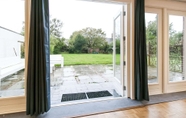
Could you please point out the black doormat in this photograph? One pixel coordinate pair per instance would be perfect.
(74, 96)
(98, 94)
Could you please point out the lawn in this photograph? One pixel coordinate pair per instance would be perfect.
(88, 59)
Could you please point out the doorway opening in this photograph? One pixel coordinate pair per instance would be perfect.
(87, 51)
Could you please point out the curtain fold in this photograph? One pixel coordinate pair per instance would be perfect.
(140, 63)
(38, 70)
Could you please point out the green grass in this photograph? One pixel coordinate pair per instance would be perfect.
(89, 59)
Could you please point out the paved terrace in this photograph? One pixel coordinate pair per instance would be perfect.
(69, 79)
(75, 79)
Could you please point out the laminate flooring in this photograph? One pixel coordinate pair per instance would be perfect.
(175, 109)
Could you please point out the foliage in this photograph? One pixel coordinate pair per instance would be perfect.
(151, 36)
(175, 41)
(57, 65)
(80, 44)
(77, 43)
(55, 35)
(53, 42)
(175, 46)
(23, 50)
(95, 37)
(55, 28)
(23, 29)
(87, 39)
(117, 46)
(117, 43)
(60, 46)
(105, 48)
(57, 43)
(71, 42)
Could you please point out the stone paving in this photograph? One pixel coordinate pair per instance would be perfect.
(69, 79)
(76, 79)
(173, 76)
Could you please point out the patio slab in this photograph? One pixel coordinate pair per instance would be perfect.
(82, 78)
(74, 79)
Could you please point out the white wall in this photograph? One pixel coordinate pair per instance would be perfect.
(10, 51)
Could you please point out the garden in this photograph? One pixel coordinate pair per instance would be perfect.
(175, 47)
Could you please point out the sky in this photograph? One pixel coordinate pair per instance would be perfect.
(74, 14)
(77, 15)
(176, 20)
(12, 14)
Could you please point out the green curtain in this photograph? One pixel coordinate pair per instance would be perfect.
(38, 71)
(140, 63)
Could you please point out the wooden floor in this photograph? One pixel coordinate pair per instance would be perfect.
(175, 109)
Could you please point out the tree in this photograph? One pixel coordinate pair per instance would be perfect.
(105, 48)
(77, 43)
(80, 44)
(117, 46)
(55, 35)
(60, 46)
(56, 40)
(53, 42)
(175, 38)
(151, 36)
(55, 28)
(175, 44)
(72, 40)
(95, 37)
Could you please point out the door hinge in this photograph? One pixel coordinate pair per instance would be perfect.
(124, 63)
(124, 87)
(124, 38)
(124, 13)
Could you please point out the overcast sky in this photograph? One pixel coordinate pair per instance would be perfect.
(176, 20)
(12, 14)
(77, 15)
(74, 14)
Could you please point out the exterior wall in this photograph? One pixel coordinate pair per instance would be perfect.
(10, 47)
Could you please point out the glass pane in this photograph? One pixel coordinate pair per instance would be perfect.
(152, 46)
(117, 44)
(176, 48)
(12, 48)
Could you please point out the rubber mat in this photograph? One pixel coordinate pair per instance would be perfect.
(74, 96)
(98, 94)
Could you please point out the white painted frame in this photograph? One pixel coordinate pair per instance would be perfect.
(18, 104)
(156, 88)
(167, 7)
(114, 42)
(175, 86)
(119, 83)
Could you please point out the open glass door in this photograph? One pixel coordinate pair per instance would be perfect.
(118, 52)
